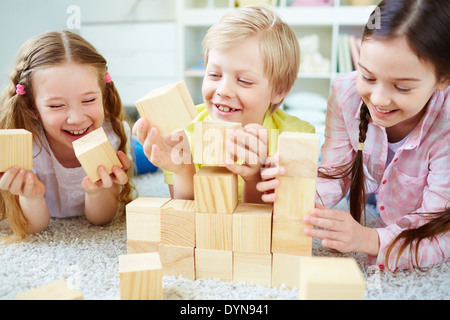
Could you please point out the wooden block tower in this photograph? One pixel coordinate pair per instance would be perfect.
(299, 154)
(216, 195)
(168, 108)
(16, 149)
(94, 150)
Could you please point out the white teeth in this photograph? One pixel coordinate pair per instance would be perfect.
(224, 109)
(382, 111)
(77, 133)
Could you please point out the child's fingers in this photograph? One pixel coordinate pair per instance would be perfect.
(106, 179)
(267, 186)
(120, 176)
(269, 197)
(7, 178)
(140, 129)
(272, 173)
(250, 145)
(33, 187)
(123, 160)
(17, 184)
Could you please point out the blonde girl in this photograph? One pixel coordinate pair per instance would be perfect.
(60, 90)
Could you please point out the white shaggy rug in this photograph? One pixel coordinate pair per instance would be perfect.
(87, 257)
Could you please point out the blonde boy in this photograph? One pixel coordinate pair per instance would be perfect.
(252, 61)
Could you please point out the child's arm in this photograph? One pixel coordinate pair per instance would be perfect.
(250, 145)
(30, 191)
(170, 152)
(101, 200)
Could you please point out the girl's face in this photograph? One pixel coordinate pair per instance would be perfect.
(395, 85)
(70, 104)
(235, 88)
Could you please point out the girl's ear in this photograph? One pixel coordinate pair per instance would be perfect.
(443, 83)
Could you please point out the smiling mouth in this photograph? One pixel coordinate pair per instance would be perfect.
(383, 111)
(77, 133)
(225, 108)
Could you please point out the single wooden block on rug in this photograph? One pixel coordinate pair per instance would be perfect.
(169, 108)
(140, 276)
(177, 261)
(214, 231)
(253, 268)
(16, 149)
(94, 150)
(178, 223)
(216, 190)
(144, 224)
(210, 141)
(330, 278)
(210, 264)
(252, 228)
(285, 270)
(59, 290)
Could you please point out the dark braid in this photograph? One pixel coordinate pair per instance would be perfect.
(357, 186)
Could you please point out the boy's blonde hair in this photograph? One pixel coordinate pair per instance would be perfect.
(278, 43)
(19, 111)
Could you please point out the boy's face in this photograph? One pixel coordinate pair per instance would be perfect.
(235, 88)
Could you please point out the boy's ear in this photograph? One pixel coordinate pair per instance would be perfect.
(278, 97)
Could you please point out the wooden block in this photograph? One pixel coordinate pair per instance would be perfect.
(142, 246)
(285, 270)
(295, 197)
(210, 141)
(252, 228)
(214, 231)
(216, 190)
(288, 236)
(143, 224)
(59, 290)
(169, 108)
(94, 150)
(252, 267)
(16, 149)
(299, 154)
(140, 277)
(178, 223)
(330, 278)
(177, 261)
(210, 264)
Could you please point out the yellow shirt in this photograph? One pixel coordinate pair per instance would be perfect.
(275, 123)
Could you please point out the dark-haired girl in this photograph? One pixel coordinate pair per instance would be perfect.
(388, 134)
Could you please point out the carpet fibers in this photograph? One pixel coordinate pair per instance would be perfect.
(87, 257)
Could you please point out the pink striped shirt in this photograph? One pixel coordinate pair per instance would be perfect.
(416, 181)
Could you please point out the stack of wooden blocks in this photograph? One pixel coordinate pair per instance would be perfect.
(216, 236)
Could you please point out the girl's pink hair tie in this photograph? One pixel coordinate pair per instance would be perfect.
(20, 89)
(108, 78)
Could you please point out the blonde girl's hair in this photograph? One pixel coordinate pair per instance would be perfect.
(19, 111)
(279, 44)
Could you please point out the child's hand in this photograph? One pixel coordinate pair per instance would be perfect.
(269, 181)
(117, 177)
(339, 231)
(22, 183)
(250, 145)
(170, 152)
